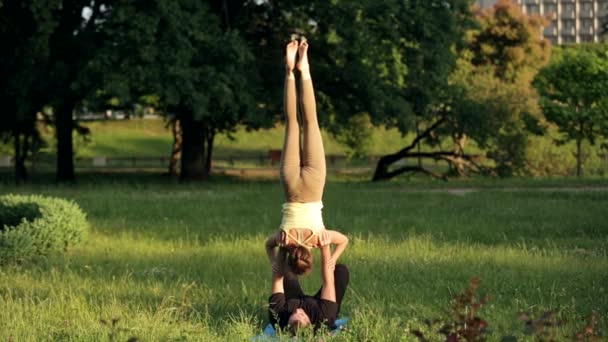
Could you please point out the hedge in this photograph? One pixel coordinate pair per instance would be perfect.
(33, 225)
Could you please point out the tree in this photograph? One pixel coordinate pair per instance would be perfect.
(504, 53)
(75, 41)
(386, 59)
(574, 95)
(200, 73)
(478, 96)
(25, 29)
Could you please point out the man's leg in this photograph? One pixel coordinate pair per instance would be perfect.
(313, 153)
(290, 157)
(341, 279)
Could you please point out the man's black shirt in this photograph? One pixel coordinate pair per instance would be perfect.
(318, 310)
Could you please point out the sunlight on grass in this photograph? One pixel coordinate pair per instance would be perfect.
(169, 261)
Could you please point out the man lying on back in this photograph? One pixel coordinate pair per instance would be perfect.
(289, 306)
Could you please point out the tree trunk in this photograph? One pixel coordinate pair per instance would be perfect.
(460, 141)
(20, 155)
(381, 172)
(193, 150)
(385, 162)
(579, 162)
(208, 156)
(176, 150)
(64, 124)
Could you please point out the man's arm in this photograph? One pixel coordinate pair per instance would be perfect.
(277, 303)
(328, 292)
(277, 283)
(278, 272)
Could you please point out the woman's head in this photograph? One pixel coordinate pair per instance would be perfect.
(299, 260)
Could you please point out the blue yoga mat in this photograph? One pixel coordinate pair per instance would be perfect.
(270, 334)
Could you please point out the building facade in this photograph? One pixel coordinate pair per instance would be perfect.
(571, 21)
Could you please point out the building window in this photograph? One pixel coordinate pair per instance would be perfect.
(603, 8)
(568, 24)
(550, 8)
(553, 40)
(568, 39)
(587, 6)
(586, 10)
(533, 9)
(587, 23)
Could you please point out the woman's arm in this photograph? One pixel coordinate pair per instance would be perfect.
(340, 241)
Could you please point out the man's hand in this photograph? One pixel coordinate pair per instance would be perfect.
(331, 264)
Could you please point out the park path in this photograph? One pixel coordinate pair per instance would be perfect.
(464, 190)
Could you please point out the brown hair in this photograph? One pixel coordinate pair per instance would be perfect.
(299, 260)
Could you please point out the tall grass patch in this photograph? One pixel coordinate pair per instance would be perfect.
(186, 261)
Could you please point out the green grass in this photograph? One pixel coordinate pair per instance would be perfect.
(186, 261)
(151, 137)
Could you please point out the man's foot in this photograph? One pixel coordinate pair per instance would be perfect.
(290, 57)
(303, 60)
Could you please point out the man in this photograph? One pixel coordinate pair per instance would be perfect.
(289, 306)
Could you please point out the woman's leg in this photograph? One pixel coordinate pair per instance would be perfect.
(290, 157)
(313, 153)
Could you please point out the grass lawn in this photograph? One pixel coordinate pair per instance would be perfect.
(174, 262)
(151, 137)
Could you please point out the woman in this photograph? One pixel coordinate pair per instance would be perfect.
(302, 174)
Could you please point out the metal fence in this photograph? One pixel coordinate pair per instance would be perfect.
(151, 163)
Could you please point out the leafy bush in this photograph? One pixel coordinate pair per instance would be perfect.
(36, 225)
(356, 135)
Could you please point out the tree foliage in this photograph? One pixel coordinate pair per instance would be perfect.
(574, 95)
(506, 51)
(433, 68)
(487, 97)
(200, 73)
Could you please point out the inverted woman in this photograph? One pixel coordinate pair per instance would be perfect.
(303, 173)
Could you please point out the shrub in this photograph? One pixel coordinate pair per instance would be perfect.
(356, 136)
(36, 225)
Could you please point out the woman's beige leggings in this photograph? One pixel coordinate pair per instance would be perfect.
(302, 169)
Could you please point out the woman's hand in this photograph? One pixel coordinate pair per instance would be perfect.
(277, 268)
(283, 239)
(324, 239)
(278, 263)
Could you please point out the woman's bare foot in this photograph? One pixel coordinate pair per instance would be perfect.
(303, 60)
(290, 57)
